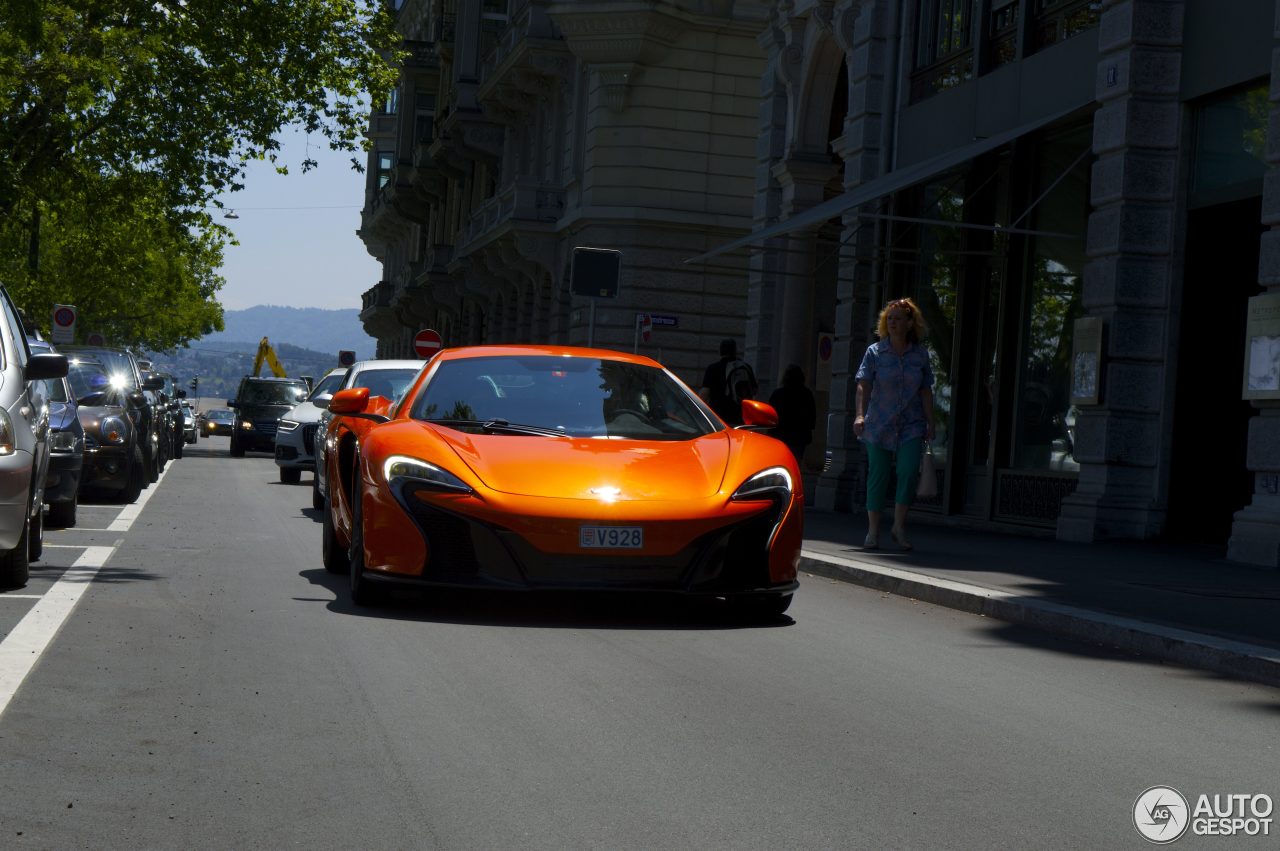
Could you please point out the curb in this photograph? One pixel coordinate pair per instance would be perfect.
(1170, 644)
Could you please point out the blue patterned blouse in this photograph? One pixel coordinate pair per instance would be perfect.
(895, 411)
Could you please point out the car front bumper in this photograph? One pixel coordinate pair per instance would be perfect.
(295, 449)
(106, 467)
(63, 480)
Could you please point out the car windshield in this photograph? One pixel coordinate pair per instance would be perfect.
(119, 366)
(272, 394)
(390, 383)
(329, 384)
(90, 376)
(578, 397)
(220, 414)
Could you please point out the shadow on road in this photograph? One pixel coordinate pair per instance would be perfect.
(544, 609)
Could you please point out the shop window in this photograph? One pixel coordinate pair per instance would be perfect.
(944, 49)
(1044, 428)
(1230, 146)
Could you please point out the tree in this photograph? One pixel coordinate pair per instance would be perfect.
(134, 271)
(185, 92)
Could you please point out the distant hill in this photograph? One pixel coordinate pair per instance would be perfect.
(306, 340)
(307, 327)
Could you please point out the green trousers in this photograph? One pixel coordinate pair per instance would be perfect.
(879, 460)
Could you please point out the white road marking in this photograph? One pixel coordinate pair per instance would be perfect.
(20, 596)
(131, 511)
(49, 546)
(22, 647)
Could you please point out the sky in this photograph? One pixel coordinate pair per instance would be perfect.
(298, 246)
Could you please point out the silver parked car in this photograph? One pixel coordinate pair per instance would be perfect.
(24, 445)
(386, 378)
(295, 436)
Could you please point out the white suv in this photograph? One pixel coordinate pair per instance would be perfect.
(295, 436)
(24, 448)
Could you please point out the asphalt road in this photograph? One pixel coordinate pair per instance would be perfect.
(213, 688)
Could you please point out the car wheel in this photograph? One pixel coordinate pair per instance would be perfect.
(178, 446)
(137, 473)
(363, 592)
(35, 535)
(290, 475)
(153, 467)
(317, 498)
(15, 567)
(762, 608)
(237, 448)
(64, 513)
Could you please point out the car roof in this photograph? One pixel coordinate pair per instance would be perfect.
(403, 363)
(465, 352)
(273, 379)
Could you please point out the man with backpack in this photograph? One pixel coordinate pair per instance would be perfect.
(727, 382)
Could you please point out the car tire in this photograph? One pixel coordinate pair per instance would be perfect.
(137, 474)
(237, 448)
(317, 498)
(15, 567)
(153, 466)
(35, 535)
(178, 446)
(290, 475)
(64, 513)
(761, 608)
(363, 592)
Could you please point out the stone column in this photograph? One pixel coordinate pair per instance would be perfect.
(1255, 532)
(863, 31)
(1129, 276)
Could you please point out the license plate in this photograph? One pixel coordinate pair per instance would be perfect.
(611, 537)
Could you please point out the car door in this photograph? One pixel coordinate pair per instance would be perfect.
(29, 411)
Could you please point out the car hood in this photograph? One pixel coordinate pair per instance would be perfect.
(249, 412)
(583, 468)
(61, 416)
(305, 412)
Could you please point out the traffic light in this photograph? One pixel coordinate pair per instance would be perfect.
(195, 383)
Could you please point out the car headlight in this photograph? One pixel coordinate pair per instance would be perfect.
(62, 441)
(6, 433)
(113, 430)
(774, 482)
(420, 472)
(246, 425)
(288, 425)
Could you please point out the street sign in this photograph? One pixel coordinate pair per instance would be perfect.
(64, 324)
(595, 272)
(646, 327)
(346, 357)
(427, 342)
(661, 320)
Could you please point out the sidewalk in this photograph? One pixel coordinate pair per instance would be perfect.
(1180, 604)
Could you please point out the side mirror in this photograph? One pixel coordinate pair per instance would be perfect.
(231, 403)
(136, 398)
(43, 366)
(322, 401)
(352, 401)
(182, 394)
(151, 381)
(758, 414)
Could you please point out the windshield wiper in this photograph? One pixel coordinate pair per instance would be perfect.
(503, 427)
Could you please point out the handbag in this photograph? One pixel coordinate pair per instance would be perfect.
(927, 481)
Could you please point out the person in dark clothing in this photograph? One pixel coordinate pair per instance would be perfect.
(727, 382)
(797, 412)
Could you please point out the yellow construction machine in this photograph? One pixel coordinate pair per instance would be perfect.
(268, 354)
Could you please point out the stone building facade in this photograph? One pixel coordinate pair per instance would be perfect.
(522, 130)
(1080, 195)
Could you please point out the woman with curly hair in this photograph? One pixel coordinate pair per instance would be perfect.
(894, 413)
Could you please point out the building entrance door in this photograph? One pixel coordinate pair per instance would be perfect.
(1208, 481)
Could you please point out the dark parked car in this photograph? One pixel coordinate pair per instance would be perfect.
(24, 446)
(113, 458)
(141, 400)
(259, 405)
(66, 446)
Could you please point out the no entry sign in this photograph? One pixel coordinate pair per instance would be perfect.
(427, 342)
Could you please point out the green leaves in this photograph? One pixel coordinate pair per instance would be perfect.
(167, 100)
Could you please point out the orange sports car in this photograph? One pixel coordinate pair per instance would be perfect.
(542, 467)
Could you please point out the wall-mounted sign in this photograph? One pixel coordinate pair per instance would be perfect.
(1262, 348)
(1086, 361)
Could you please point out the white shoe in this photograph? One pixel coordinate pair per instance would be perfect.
(871, 543)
